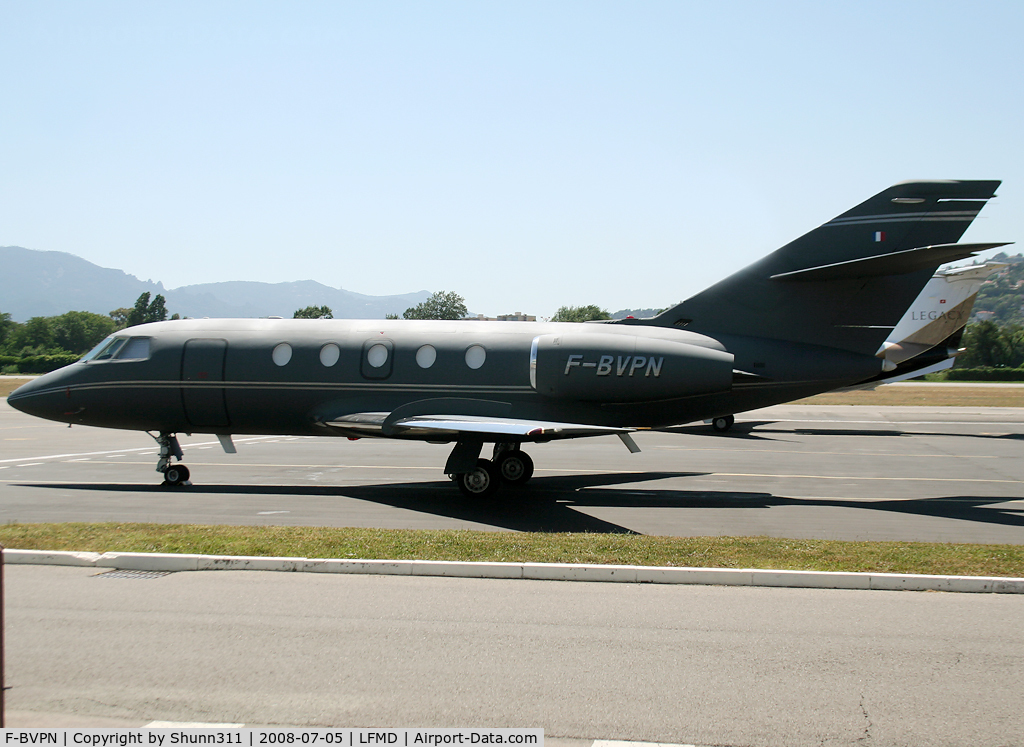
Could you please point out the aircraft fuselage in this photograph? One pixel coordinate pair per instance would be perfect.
(293, 377)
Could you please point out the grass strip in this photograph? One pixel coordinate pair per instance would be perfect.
(925, 396)
(9, 385)
(537, 547)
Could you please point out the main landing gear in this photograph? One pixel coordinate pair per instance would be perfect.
(722, 424)
(509, 465)
(174, 474)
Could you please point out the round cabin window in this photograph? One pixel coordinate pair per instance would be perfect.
(329, 354)
(426, 356)
(377, 356)
(475, 356)
(282, 354)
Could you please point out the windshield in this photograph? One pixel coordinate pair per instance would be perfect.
(106, 349)
(121, 348)
(96, 350)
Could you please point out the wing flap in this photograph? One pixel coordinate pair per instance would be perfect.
(453, 426)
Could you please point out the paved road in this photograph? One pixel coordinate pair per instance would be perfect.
(703, 665)
(930, 474)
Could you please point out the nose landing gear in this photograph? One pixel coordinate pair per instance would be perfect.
(174, 474)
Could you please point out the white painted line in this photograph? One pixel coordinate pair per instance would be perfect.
(144, 449)
(267, 513)
(189, 725)
(619, 743)
(537, 571)
(31, 464)
(804, 452)
(887, 478)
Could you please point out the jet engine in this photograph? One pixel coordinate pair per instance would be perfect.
(607, 367)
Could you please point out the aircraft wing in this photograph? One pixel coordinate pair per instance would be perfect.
(446, 427)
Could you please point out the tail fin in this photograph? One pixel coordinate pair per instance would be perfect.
(846, 283)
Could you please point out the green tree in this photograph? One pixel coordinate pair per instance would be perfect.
(145, 311)
(157, 311)
(120, 317)
(440, 305)
(7, 327)
(391, 316)
(985, 346)
(580, 314)
(34, 337)
(80, 331)
(314, 312)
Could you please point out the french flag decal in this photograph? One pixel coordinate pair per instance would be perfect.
(879, 235)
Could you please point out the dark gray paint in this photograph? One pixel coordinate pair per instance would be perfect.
(785, 338)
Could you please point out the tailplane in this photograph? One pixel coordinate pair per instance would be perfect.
(847, 283)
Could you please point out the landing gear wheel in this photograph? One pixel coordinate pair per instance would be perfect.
(481, 482)
(723, 423)
(515, 467)
(176, 475)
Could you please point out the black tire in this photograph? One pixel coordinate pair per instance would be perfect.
(723, 423)
(515, 467)
(176, 474)
(481, 482)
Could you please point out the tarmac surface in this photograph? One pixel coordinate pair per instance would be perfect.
(879, 473)
(673, 664)
(585, 661)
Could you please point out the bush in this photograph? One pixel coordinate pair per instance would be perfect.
(985, 373)
(37, 364)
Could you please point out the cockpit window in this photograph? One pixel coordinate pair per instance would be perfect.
(121, 348)
(106, 349)
(96, 350)
(136, 349)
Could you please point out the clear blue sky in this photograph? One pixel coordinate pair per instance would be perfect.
(524, 154)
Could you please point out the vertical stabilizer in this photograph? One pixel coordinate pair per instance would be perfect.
(847, 283)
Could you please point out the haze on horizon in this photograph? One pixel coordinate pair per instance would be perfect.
(525, 155)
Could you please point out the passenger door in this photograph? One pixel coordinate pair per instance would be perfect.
(202, 367)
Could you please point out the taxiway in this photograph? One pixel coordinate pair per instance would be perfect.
(911, 473)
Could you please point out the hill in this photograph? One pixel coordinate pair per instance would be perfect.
(1001, 298)
(37, 283)
(34, 283)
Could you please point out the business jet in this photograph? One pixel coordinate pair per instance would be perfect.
(811, 317)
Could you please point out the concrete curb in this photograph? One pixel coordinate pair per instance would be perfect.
(135, 561)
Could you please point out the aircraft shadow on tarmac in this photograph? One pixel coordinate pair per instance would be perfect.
(744, 430)
(764, 432)
(558, 503)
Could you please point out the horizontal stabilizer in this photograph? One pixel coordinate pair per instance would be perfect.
(895, 263)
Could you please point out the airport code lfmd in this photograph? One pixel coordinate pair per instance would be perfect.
(163, 737)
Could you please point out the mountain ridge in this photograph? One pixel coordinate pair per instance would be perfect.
(48, 283)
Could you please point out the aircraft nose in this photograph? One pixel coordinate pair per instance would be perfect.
(42, 397)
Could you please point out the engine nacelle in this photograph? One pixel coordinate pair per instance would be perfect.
(606, 367)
